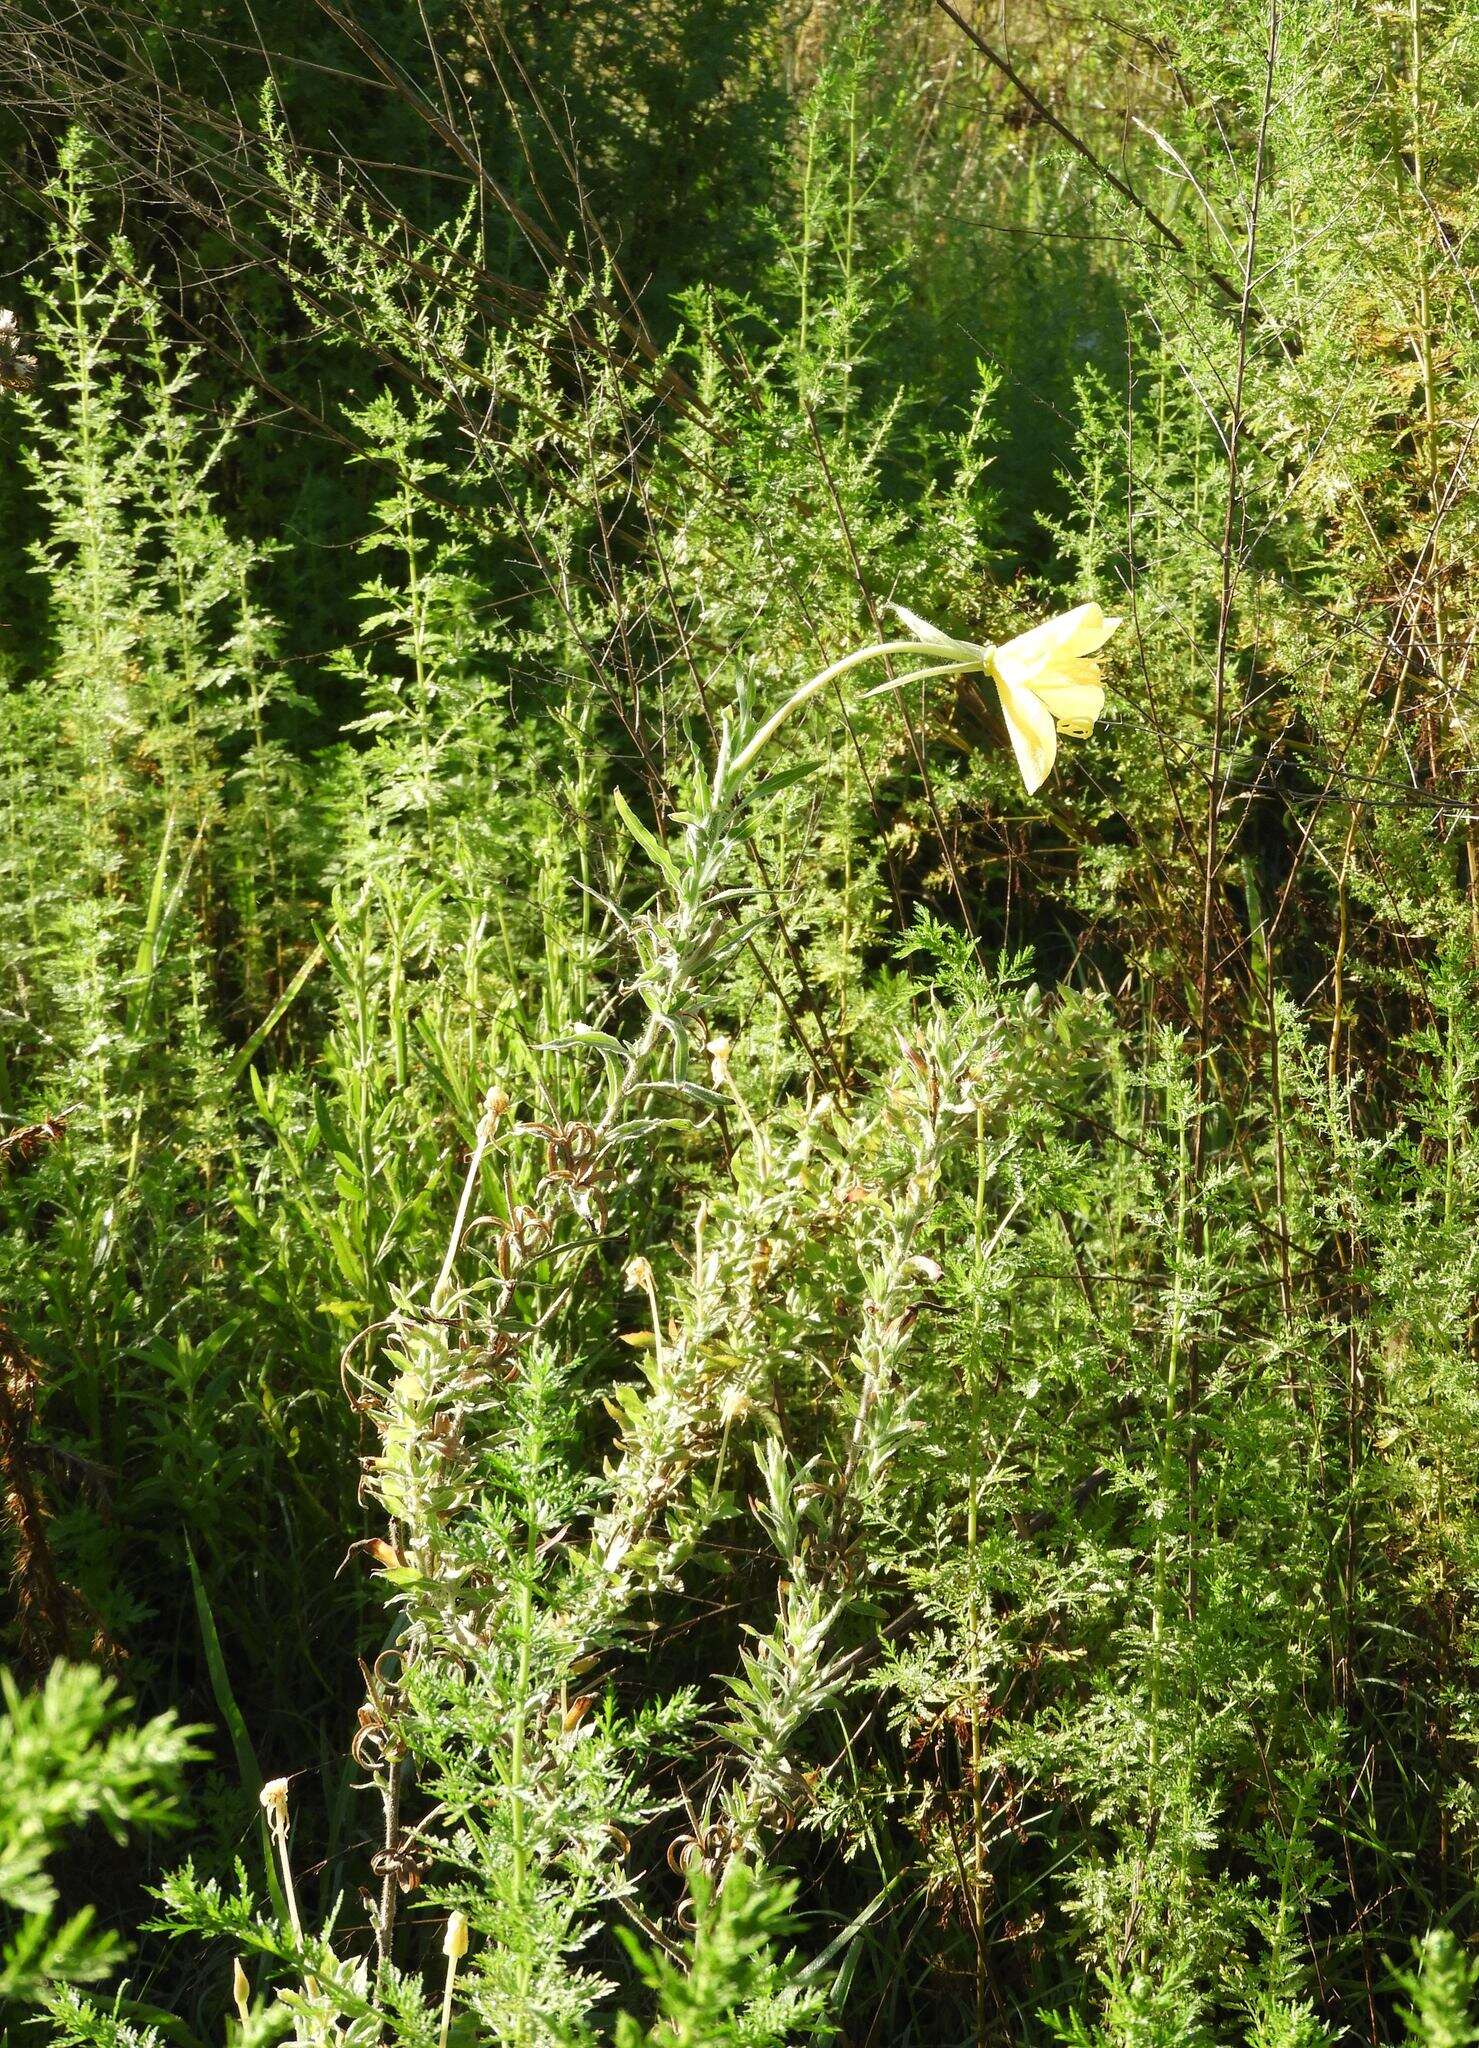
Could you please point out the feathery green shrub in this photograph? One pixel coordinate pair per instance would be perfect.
(768, 1392)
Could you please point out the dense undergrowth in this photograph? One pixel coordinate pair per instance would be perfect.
(658, 1389)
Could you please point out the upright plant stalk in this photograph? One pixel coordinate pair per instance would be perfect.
(1212, 853)
(517, 1791)
(1168, 1439)
(978, 1822)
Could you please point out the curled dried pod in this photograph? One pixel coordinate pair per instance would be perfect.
(402, 1863)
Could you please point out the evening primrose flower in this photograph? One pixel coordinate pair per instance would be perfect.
(1046, 680)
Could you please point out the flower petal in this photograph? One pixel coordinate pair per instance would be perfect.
(1029, 650)
(1081, 631)
(1071, 690)
(1092, 632)
(1030, 728)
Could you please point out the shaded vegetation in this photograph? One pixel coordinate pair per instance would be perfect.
(659, 1385)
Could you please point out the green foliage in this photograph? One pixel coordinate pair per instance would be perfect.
(731, 1987)
(664, 1299)
(69, 1755)
(1440, 1993)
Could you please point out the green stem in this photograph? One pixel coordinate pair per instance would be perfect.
(1173, 1374)
(516, 1751)
(972, 1537)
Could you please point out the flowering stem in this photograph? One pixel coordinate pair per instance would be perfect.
(274, 1801)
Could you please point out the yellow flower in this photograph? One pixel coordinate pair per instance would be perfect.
(1045, 679)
